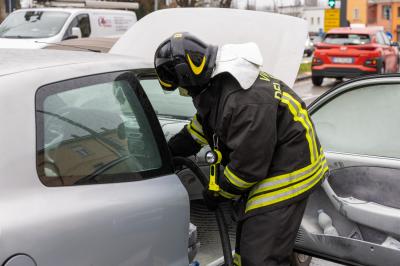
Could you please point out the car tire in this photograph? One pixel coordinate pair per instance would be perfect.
(317, 81)
(299, 259)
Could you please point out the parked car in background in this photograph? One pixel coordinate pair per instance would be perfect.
(308, 47)
(38, 27)
(351, 52)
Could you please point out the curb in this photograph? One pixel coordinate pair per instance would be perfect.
(303, 77)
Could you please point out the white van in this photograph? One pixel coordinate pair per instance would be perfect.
(35, 28)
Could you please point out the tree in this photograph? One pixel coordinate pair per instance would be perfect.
(2, 10)
(200, 3)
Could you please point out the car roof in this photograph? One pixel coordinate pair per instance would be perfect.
(21, 60)
(101, 44)
(366, 30)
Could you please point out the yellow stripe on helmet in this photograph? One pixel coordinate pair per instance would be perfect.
(165, 84)
(196, 69)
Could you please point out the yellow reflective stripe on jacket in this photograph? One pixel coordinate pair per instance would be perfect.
(300, 117)
(196, 136)
(237, 260)
(285, 193)
(196, 131)
(227, 195)
(237, 181)
(308, 121)
(284, 180)
(196, 125)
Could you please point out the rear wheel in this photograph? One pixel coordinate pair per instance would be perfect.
(317, 81)
(299, 259)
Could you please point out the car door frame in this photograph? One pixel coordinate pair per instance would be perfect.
(45, 210)
(364, 250)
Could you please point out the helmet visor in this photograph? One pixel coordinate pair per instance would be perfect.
(167, 77)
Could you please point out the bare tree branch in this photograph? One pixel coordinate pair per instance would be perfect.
(225, 3)
(186, 3)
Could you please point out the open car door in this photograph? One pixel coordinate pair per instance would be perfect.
(355, 217)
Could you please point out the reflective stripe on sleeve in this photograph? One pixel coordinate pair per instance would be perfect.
(272, 183)
(228, 195)
(196, 131)
(237, 181)
(285, 193)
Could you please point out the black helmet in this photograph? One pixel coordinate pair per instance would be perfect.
(184, 61)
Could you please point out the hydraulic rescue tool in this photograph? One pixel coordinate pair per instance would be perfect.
(214, 159)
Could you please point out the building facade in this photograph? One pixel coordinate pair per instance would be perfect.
(382, 13)
(315, 19)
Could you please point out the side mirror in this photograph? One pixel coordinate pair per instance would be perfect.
(76, 32)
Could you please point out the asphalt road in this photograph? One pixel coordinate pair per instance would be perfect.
(308, 92)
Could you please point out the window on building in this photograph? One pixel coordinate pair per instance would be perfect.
(312, 21)
(356, 13)
(387, 12)
(318, 20)
(398, 12)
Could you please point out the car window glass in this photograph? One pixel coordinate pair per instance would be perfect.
(379, 38)
(385, 38)
(168, 104)
(347, 39)
(81, 21)
(33, 24)
(362, 121)
(97, 133)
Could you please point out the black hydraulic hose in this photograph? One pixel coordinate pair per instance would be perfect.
(223, 229)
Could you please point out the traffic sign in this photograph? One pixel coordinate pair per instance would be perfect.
(332, 19)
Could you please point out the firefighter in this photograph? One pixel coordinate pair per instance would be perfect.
(270, 151)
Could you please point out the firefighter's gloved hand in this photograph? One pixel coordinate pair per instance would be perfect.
(211, 199)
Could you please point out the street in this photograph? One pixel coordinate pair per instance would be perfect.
(308, 92)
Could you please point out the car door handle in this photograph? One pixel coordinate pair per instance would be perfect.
(367, 213)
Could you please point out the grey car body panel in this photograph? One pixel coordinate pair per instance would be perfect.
(130, 223)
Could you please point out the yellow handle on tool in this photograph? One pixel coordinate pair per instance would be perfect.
(212, 185)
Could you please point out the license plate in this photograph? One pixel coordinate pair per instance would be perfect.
(342, 60)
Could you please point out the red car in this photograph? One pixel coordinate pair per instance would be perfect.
(351, 52)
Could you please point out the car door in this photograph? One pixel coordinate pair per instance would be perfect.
(104, 192)
(355, 216)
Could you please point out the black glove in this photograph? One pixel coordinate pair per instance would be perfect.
(211, 199)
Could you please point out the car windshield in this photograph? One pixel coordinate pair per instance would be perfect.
(33, 24)
(168, 104)
(347, 39)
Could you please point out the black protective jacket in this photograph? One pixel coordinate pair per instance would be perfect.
(270, 150)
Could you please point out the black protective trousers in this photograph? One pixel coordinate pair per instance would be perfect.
(268, 239)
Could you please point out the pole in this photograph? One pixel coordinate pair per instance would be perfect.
(343, 13)
(155, 5)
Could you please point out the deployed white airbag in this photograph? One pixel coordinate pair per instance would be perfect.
(280, 38)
